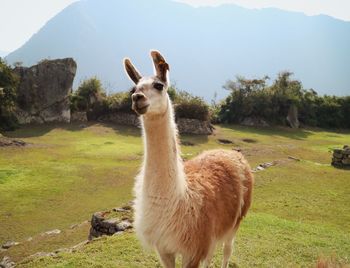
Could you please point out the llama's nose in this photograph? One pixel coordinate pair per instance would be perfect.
(137, 96)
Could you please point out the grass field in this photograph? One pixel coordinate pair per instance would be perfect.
(300, 210)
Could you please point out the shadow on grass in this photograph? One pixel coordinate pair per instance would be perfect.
(37, 130)
(297, 134)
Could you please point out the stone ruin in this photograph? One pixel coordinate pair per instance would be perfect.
(43, 91)
(341, 157)
(111, 222)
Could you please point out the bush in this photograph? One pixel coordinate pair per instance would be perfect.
(8, 97)
(253, 98)
(189, 106)
(119, 102)
(90, 97)
(87, 95)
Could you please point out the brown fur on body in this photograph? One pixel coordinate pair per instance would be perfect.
(219, 191)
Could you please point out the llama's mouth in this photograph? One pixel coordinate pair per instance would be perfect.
(141, 110)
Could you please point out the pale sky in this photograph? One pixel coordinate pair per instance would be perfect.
(20, 19)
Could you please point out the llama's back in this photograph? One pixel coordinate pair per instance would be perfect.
(224, 182)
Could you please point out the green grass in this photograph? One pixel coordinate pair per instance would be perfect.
(300, 209)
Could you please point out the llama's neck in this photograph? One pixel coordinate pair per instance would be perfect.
(163, 168)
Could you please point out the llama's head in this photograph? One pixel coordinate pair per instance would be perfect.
(149, 95)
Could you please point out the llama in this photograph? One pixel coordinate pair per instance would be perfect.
(183, 208)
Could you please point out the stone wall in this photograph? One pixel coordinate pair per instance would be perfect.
(341, 157)
(129, 119)
(78, 117)
(194, 126)
(185, 125)
(43, 91)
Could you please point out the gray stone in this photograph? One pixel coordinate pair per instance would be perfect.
(129, 119)
(338, 155)
(43, 91)
(78, 117)
(194, 126)
(254, 122)
(120, 210)
(53, 232)
(6, 262)
(346, 161)
(6, 142)
(124, 225)
(292, 117)
(9, 244)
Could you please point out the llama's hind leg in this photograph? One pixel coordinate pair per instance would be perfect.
(210, 255)
(228, 246)
(168, 259)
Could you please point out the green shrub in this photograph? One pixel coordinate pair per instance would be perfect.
(8, 97)
(119, 102)
(87, 95)
(254, 98)
(189, 106)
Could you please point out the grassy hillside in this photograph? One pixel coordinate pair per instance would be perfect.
(300, 209)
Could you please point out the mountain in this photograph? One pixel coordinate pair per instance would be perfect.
(3, 53)
(205, 46)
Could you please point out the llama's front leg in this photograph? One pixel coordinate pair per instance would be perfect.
(168, 259)
(188, 262)
(210, 255)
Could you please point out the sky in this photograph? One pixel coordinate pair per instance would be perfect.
(20, 19)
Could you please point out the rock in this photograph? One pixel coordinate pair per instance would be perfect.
(100, 225)
(42, 254)
(5, 142)
(130, 119)
(194, 126)
(341, 157)
(346, 161)
(43, 91)
(266, 165)
(6, 262)
(128, 207)
(119, 210)
(117, 233)
(254, 122)
(338, 155)
(78, 117)
(9, 244)
(293, 158)
(124, 225)
(292, 117)
(53, 232)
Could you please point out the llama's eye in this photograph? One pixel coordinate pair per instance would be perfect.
(158, 86)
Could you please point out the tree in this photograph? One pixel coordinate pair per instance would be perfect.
(8, 88)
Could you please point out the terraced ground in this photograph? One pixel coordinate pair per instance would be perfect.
(300, 211)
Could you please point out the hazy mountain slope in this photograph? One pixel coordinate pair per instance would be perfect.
(205, 46)
(3, 53)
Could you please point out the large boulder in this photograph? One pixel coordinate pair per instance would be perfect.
(292, 117)
(254, 122)
(43, 92)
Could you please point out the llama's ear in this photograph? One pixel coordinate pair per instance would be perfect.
(160, 65)
(132, 72)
